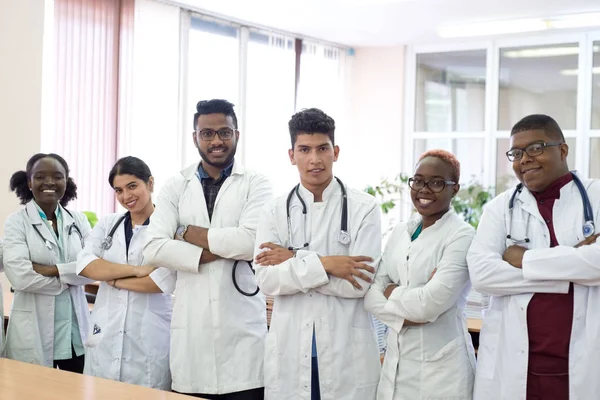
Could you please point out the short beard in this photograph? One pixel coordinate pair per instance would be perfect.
(222, 164)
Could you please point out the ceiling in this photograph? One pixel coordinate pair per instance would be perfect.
(360, 23)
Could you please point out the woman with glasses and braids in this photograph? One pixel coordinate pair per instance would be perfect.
(420, 292)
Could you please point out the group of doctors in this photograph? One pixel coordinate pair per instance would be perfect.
(318, 251)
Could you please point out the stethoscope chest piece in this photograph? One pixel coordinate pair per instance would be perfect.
(588, 229)
(344, 238)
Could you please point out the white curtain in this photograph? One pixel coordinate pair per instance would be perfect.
(87, 41)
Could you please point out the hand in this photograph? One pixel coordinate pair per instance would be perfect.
(411, 323)
(274, 255)
(49, 271)
(143, 271)
(111, 282)
(586, 241)
(389, 289)
(432, 274)
(514, 255)
(207, 257)
(348, 267)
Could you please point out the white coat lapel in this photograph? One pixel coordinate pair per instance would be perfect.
(36, 220)
(119, 234)
(196, 195)
(529, 204)
(236, 170)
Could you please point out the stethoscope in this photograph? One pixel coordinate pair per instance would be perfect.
(588, 214)
(108, 240)
(72, 227)
(343, 236)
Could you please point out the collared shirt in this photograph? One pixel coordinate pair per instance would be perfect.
(212, 186)
(550, 315)
(66, 327)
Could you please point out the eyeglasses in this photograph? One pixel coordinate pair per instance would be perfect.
(435, 185)
(209, 134)
(534, 149)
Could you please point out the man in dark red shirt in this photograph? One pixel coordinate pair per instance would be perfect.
(539, 158)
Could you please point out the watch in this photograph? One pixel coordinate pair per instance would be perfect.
(180, 232)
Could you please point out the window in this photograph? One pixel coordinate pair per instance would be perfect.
(469, 152)
(213, 71)
(450, 91)
(321, 82)
(595, 158)
(538, 80)
(465, 98)
(269, 106)
(596, 87)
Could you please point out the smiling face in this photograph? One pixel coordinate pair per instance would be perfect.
(538, 172)
(48, 181)
(427, 202)
(132, 193)
(216, 152)
(314, 155)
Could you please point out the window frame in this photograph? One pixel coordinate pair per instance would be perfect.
(582, 132)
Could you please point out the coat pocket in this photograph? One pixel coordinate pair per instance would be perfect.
(448, 373)
(365, 357)
(20, 334)
(21, 338)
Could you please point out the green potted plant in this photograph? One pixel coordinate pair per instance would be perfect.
(468, 202)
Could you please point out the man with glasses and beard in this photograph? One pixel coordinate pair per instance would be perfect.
(205, 220)
(536, 254)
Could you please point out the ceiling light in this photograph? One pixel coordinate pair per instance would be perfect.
(493, 28)
(575, 21)
(545, 52)
(572, 72)
(520, 25)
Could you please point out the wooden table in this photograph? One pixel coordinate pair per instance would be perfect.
(19, 381)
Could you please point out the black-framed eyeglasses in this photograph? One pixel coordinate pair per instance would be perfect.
(209, 134)
(436, 185)
(532, 150)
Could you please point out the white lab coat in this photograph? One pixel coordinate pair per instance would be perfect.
(129, 332)
(435, 360)
(306, 297)
(503, 346)
(30, 334)
(217, 334)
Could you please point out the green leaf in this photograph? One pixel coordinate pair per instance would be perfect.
(92, 217)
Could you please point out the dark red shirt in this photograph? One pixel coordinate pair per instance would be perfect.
(549, 315)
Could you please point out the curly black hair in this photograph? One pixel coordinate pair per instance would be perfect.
(19, 181)
(310, 121)
(215, 106)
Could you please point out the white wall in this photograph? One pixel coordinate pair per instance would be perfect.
(371, 148)
(371, 143)
(21, 52)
